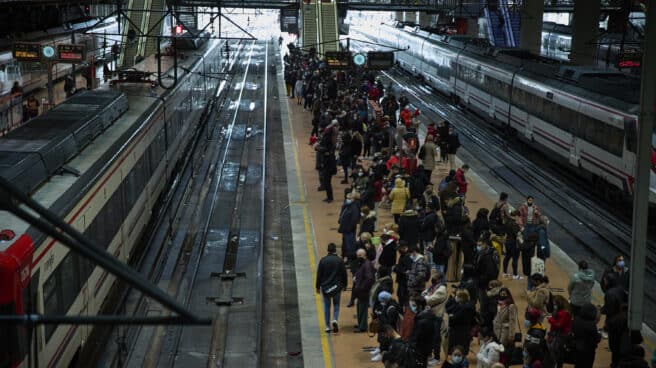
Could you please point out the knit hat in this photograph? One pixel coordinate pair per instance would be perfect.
(384, 296)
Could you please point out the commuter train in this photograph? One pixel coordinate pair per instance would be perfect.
(102, 166)
(585, 118)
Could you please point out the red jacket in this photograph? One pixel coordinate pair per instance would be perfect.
(461, 181)
(409, 165)
(374, 94)
(394, 160)
(378, 191)
(406, 116)
(561, 321)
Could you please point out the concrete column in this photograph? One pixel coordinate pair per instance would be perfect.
(585, 32)
(424, 19)
(530, 34)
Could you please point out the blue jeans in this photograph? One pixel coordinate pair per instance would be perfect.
(326, 307)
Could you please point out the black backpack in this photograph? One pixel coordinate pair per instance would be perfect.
(495, 220)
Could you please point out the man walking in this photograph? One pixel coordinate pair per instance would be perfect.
(331, 280)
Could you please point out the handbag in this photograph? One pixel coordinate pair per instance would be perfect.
(537, 264)
(374, 325)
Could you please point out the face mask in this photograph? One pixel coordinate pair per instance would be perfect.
(527, 323)
(458, 300)
(621, 264)
(360, 174)
(555, 307)
(457, 359)
(413, 308)
(348, 201)
(479, 248)
(361, 214)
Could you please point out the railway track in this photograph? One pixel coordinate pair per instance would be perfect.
(183, 253)
(583, 227)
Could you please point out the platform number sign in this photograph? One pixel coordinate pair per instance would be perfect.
(26, 51)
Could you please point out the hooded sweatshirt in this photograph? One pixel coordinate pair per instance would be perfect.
(489, 354)
(580, 287)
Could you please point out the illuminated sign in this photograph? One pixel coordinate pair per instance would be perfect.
(359, 59)
(380, 60)
(338, 59)
(25, 51)
(71, 53)
(629, 59)
(48, 52)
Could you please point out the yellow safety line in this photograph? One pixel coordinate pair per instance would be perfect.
(327, 358)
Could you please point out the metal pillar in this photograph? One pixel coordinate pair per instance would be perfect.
(530, 34)
(585, 32)
(641, 194)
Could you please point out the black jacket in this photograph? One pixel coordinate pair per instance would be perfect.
(331, 271)
(427, 226)
(388, 255)
(423, 332)
(584, 327)
(453, 143)
(368, 224)
(402, 269)
(409, 229)
(468, 245)
(479, 225)
(485, 269)
(348, 218)
(364, 280)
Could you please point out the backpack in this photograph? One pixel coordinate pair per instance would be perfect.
(496, 261)
(495, 220)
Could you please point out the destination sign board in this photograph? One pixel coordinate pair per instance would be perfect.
(71, 53)
(338, 59)
(380, 60)
(26, 51)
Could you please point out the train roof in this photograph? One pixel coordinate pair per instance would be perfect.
(617, 90)
(32, 153)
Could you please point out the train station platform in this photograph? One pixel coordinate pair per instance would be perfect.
(314, 225)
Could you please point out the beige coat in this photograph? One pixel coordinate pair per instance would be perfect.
(399, 196)
(437, 300)
(539, 297)
(429, 155)
(505, 324)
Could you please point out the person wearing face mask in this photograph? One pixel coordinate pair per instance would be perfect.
(505, 321)
(486, 269)
(363, 280)
(457, 360)
(402, 269)
(436, 297)
(619, 269)
(490, 350)
(461, 318)
(387, 312)
(368, 220)
(560, 324)
(348, 221)
(422, 331)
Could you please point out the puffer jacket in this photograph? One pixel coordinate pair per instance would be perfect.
(419, 273)
(399, 195)
(505, 324)
(489, 354)
(539, 297)
(436, 297)
(580, 287)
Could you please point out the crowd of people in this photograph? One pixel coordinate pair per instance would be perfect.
(400, 270)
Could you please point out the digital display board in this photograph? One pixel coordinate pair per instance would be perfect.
(380, 60)
(25, 51)
(338, 59)
(629, 59)
(71, 53)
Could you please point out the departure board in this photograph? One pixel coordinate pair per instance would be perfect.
(71, 53)
(26, 51)
(338, 59)
(380, 60)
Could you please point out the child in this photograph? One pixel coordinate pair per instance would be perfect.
(457, 359)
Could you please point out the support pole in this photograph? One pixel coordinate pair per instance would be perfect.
(641, 194)
(51, 92)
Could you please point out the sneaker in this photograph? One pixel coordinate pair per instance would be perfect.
(604, 334)
(433, 362)
(377, 358)
(335, 327)
(518, 277)
(327, 330)
(506, 275)
(375, 352)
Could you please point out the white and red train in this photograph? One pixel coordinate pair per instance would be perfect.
(583, 117)
(123, 167)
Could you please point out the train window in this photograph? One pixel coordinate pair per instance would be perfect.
(51, 302)
(68, 270)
